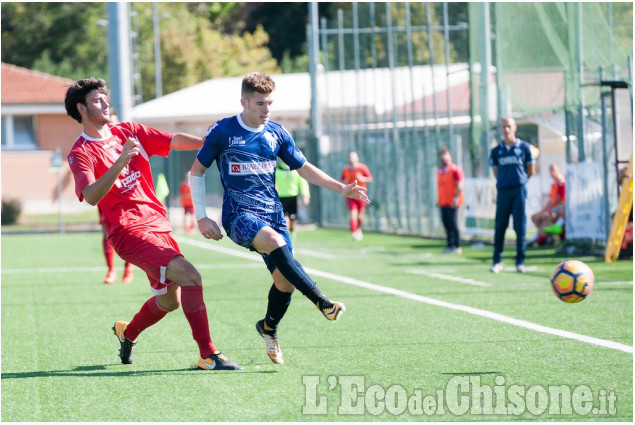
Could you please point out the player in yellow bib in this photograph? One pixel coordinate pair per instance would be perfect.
(289, 185)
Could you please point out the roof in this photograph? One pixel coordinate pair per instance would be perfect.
(25, 86)
(379, 88)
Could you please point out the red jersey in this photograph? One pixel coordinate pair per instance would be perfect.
(349, 174)
(186, 195)
(558, 188)
(131, 203)
(447, 181)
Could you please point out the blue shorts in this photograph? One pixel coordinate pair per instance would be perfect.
(242, 229)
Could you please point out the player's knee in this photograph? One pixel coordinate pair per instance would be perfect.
(283, 285)
(267, 241)
(172, 304)
(170, 301)
(192, 278)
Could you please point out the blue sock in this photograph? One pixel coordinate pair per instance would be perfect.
(278, 303)
(294, 273)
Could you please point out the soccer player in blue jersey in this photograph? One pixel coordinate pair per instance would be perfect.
(512, 163)
(245, 148)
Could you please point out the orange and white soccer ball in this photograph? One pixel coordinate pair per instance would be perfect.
(572, 281)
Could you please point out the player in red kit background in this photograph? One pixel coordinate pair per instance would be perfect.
(111, 167)
(355, 170)
(450, 180)
(185, 195)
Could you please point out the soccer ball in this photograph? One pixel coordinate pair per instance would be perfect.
(572, 281)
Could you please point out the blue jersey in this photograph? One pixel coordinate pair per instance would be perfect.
(246, 160)
(511, 163)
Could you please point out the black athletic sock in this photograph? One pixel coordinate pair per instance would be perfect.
(294, 273)
(278, 304)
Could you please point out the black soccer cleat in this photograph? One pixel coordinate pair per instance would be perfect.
(217, 362)
(125, 350)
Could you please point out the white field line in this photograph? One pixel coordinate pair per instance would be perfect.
(448, 277)
(478, 283)
(431, 301)
(104, 268)
(317, 254)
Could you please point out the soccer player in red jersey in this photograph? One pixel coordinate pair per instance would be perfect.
(185, 194)
(111, 167)
(355, 170)
(450, 197)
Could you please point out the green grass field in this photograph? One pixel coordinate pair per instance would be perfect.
(426, 337)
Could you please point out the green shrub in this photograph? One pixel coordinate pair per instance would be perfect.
(10, 211)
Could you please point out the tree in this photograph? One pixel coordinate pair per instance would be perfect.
(193, 51)
(66, 39)
(57, 38)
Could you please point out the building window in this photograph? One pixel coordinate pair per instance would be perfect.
(18, 132)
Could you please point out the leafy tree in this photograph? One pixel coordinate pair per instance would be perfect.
(58, 38)
(70, 40)
(193, 51)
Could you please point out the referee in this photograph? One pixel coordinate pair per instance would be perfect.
(512, 163)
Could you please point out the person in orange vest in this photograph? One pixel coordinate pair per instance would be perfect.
(450, 180)
(185, 194)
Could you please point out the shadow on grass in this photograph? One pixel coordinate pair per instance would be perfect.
(102, 371)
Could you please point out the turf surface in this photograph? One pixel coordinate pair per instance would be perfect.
(388, 359)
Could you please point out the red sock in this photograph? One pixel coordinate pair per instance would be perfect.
(359, 223)
(196, 314)
(353, 225)
(109, 253)
(151, 312)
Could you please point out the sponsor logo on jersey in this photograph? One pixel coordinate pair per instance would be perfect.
(236, 140)
(247, 168)
(510, 160)
(130, 181)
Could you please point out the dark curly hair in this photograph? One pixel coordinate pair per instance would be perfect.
(77, 94)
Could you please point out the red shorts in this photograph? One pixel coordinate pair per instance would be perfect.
(188, 210)
(355, 204)
(151, 252)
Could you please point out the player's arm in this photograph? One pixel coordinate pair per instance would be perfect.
(304, 190)
(493, 163)
(184, 141)
(208, 227)
(315, 176)
(459, 190)
(95, 192)
(365, 176)
(530, 166)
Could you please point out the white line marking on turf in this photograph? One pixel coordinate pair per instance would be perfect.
(448, 277)
(408, 295)
(317, 254)
(104, 268)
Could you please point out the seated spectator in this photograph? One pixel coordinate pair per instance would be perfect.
(550, 219)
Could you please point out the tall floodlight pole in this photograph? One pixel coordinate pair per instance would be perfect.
(314, 59)
(316, 113)
(581, 136)
(119, 60)
(486, 60)
(157, 51)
